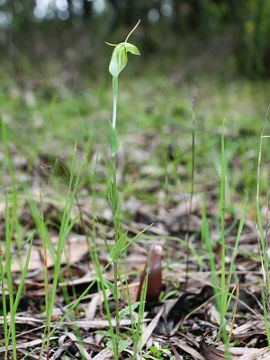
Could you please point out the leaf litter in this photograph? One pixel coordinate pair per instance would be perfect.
(179, 315)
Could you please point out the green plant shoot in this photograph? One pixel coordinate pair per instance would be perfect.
(118, 62)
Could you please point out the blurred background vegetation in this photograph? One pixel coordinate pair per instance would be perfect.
(55, 85)
(38, 30)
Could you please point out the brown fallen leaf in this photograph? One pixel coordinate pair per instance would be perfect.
(74, 251)
(187, 348)
(154, 265)
(26, 345)
(147, 332)
(99, 323)
(178, 309)
(210, 352)
(255, 354)
(105, 354)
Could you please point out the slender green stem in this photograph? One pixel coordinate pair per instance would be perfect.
(193, 157)
(191, 189)
(115, 263)
(9, 279)
(117, 64)
(222, 225)
(115, 216)
(117, 319)
(4, 306)
(115, 93)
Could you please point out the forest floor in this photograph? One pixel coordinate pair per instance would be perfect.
(162, 210)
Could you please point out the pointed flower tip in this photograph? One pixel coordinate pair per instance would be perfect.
(110, 44)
